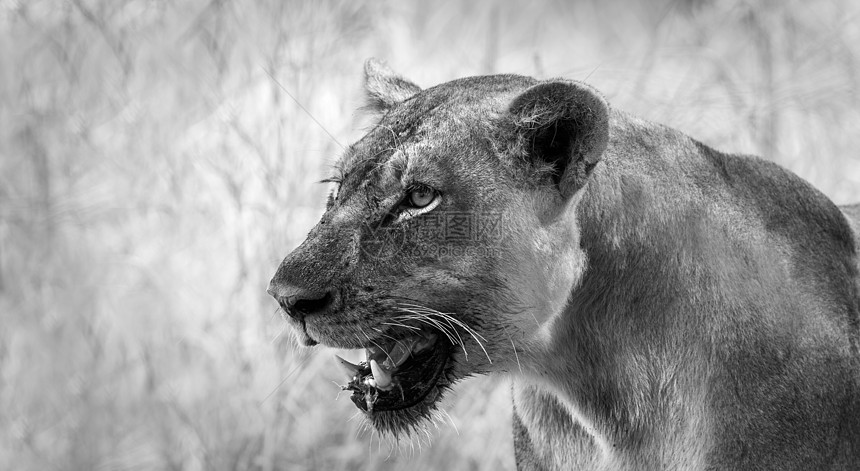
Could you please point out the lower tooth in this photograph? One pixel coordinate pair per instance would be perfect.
(382, 377)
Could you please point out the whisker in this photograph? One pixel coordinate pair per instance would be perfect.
(427, 313)
(425, 319)
(399, 324)
(357, 338)
(292, 371)
(390, 337)
(391, 449)
(446, 315)
(475, 335)
(284, 329)
(429, 320)
(432, 322)
(535, 318)
(459, 338)
(516, 355)
(377, 346)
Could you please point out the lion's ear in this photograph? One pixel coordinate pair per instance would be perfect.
(565, 125)
(385, 89)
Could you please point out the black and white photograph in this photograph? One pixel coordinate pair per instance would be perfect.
(461, 235)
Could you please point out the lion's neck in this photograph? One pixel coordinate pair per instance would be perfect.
(674, 235)
(622, 352)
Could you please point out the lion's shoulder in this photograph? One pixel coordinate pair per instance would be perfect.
(658, 173)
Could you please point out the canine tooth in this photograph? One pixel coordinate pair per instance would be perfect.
(382, 377)
(351, 369)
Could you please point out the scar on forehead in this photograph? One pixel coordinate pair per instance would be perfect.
(397, 164)
(392, 167)
(356, 161)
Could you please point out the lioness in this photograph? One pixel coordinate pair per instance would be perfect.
(657, 303)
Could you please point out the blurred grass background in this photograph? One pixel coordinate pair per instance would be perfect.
(155, 168)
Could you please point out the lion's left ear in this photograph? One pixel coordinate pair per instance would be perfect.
(565, 125)
(385, 89)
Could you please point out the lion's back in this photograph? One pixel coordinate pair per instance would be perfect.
(852, 213)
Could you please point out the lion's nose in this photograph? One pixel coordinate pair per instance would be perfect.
(300, 302)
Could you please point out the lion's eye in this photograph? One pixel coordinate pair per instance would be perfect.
(421, 197)
(419, 200)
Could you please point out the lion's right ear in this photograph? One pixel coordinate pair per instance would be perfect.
(385, 89)
(562, 126)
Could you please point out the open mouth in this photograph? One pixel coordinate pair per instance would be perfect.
(399, 373)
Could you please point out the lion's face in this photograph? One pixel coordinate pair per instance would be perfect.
(446, 248)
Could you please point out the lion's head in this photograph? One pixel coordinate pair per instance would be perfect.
(447, 249)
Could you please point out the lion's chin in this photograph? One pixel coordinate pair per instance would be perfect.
(401, 381)
(404, 422)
